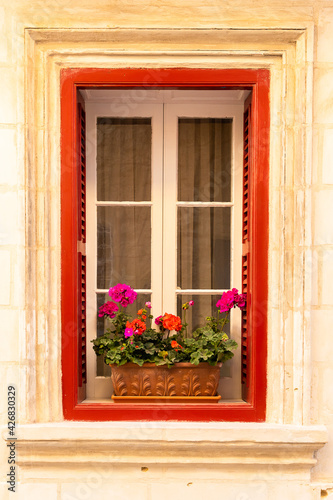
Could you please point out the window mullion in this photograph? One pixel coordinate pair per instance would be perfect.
(170, 210)
(157, 211)
(123, 203)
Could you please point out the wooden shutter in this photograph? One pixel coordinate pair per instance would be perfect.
(81, 250)
(245, 349)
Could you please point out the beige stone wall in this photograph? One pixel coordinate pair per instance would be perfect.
(17, 357)
(322, 395)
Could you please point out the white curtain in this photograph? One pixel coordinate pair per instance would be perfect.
(124, 174)
(204, 175)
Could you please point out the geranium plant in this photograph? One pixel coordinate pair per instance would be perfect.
(165, 341)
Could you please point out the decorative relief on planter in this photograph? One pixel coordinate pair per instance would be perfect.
(191, 385)
(141, 385)
(213, 382)
(119, 383)
(165, 385)
(149, 380)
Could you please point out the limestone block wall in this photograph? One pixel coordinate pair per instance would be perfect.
(322, 396)
(141, 475)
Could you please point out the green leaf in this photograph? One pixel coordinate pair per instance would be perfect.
(159, 361)
(137, 361)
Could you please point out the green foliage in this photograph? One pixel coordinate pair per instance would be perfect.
(207, 344)
(136, 342)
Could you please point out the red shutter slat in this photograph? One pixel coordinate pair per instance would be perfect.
(82, 319)
(81, 171)
(245, 344)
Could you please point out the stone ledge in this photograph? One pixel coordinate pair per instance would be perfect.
(200, 36)
(252, 445)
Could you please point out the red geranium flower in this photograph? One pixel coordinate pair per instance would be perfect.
(175, 345)
(172, 322)
(137, 325)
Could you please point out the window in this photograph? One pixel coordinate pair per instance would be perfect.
(144, 205)
(164, 173)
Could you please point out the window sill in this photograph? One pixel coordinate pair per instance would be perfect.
(108, 401)
(224, 411)
(256, 446)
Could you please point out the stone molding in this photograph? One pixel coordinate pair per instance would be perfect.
(198, 37)
(271, 449)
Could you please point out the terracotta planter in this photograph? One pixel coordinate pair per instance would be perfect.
(183, 381)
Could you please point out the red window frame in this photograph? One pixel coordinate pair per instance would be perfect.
(73, 79)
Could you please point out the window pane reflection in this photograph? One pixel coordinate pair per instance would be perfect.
(123, 159)
(204, 159)
(123, 246)
(203, 248)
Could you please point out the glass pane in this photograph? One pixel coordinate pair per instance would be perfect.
(204, 305)
(203, 248)
(123, 246)
(204, 159)
(123, 159)
(103, 324)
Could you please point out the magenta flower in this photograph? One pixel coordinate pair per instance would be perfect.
(159, 320)
(226, 302)
(187, 305)
(128, 332)
(241, 300)
(108, 309)
(148, 305)
(231, 299)
(123, 294)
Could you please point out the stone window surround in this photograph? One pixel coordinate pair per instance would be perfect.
(288, 53)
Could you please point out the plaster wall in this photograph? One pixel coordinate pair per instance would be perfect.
(131, 480)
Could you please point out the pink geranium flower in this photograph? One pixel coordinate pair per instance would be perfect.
(159, 320)
(123, 294)
(231, 299)
(108, 309)
(128, 332)
(241, 300)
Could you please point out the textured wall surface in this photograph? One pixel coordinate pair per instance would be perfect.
(18, 359)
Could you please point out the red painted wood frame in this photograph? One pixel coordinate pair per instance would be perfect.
(257, 81)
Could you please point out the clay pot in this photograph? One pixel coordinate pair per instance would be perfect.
(160, 382)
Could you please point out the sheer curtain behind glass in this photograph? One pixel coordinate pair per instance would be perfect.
(123, 226)
(123, 174)
(204, 232)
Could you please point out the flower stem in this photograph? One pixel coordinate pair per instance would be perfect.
(185, 324)
(224, 320)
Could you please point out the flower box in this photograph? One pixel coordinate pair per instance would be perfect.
(182, 382)
(154, 365)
